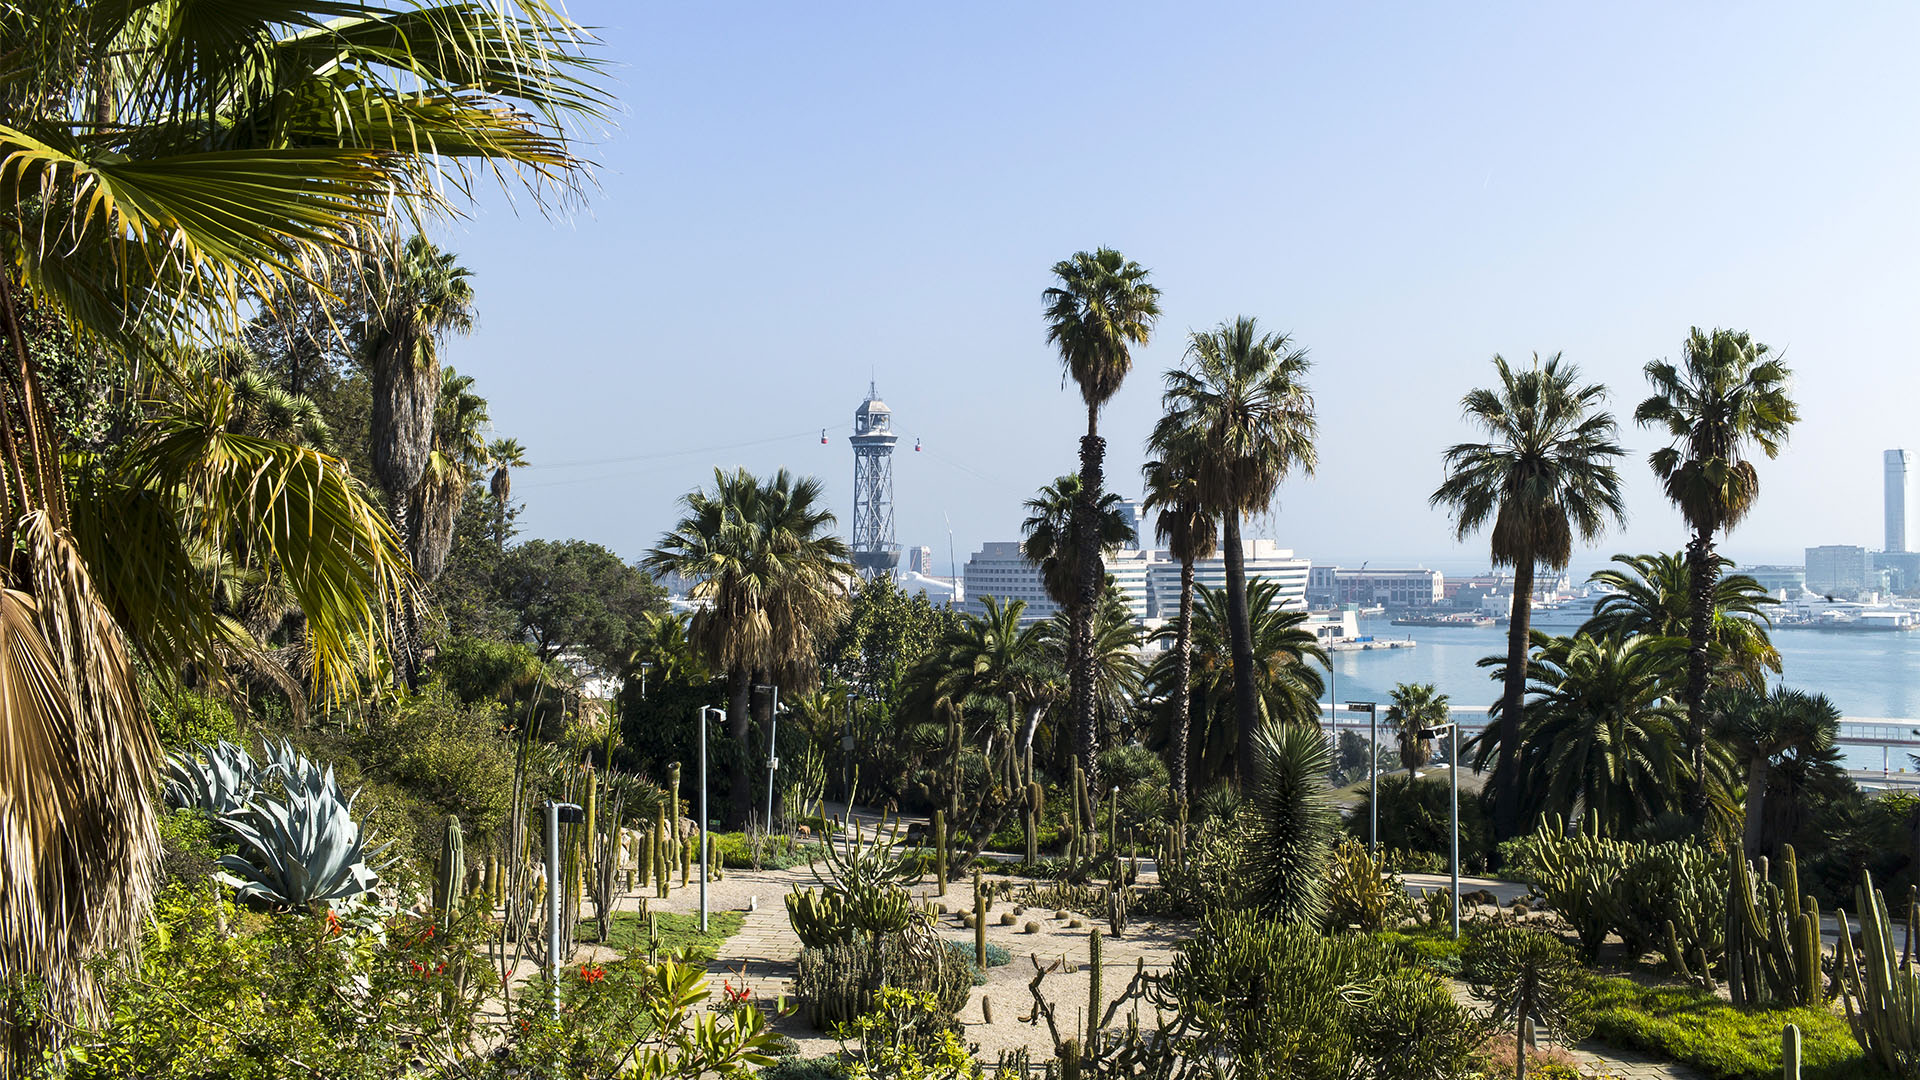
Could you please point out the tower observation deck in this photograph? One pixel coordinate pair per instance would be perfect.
(875, 552)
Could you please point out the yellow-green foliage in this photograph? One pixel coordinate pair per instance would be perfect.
(1697, 1029)
(1362, 893)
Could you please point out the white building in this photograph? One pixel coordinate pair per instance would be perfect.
(1000, 571)
(1837, 570)
(1265, 561)
(1333, 586)
(1148, 579)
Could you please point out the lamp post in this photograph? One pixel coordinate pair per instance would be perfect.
(1451, 729)
(704, 846)
(1373, 770)
(557, 953)
(846, 751)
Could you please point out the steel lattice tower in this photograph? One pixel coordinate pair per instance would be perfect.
(874, 550)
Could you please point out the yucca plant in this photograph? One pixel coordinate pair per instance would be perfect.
(1290, 824)
(303, 852)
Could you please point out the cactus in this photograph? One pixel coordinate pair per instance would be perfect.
(1790, 1052)
(940, 850)
(686, 864)
(1083, 816)
(1069, 1059)
(820, 917)
(1036, 804)
(1882, 998)
(713, 857)
(986, 1013)
(593, 818)
(451, 874)
(1773, 936)
(979, 922)
(673, 804)
(1094, 997)
(661, 852)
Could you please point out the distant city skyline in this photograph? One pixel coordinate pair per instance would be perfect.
(800, 200)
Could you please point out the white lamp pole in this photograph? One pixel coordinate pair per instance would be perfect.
(704, 845)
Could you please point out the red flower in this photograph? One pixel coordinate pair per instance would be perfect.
(333, 922)
(592, 974)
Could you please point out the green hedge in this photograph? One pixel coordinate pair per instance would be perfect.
(1697, 1029)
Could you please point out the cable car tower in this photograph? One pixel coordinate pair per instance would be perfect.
(875, 551)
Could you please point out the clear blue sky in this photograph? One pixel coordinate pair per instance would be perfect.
(797, 197)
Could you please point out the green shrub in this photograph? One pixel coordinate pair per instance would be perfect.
(184, 718)
(820, 1068)
(1417, 816)
(1284, 1000)
(1697, 1029)
(1410, 1028)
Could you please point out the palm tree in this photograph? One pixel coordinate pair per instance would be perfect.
(1190, 533)
(1600, 738)
(1727, 397)
(457, 458)
(774, 581)
(989, 660)
(1115, 659)
(1417, 707)
(1545, 476)
(1761, 728)
(503, 455)
(1101, 308)
(1239, 416)
(1052, 543)
(1286, 675)
(155, 165)
(1651, 596)
(420, 295)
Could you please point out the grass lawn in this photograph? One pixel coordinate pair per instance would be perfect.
(678, 933)
(1698, 1029)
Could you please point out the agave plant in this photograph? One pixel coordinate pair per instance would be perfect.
(301, 852)
(217, 779)
(298, 772)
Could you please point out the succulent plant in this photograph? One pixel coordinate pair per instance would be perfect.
(297, 771)
(217, 779)
(301, 852)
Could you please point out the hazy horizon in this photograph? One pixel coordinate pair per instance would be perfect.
(798, 200)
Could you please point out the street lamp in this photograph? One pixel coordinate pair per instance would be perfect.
(704, 847)
(557, 952)
(846, 751)
(1452, 731)
(1373, 770)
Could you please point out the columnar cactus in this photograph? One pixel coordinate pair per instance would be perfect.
(979, 922)
(1882, 998)
(1036, 803)
(1773, 936)
(940, 850)
(451, 874)
(662, 869)
(1095, 999)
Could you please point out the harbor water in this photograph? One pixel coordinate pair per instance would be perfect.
(1866, 674)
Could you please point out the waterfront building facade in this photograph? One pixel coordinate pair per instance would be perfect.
(1334, 586)
(1837, 570)
(920, 559)
(1148, 579)
(1777, 579)
(1265, 560)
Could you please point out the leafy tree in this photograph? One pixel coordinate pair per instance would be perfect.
(989, 660)
(1600, 737)
(1725, 399)
(1545, 476)
(1239, 415)
(1416, 707)
(576, 597)
(1762, 728)
(1649, 594)
(886, 633)
(239, 148)
(1191, 534)
(1287, 682)
(1100, 309)
(774, 581)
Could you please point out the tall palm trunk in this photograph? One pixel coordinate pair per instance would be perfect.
(1756, 802)
(1183, 680)
(1246, 706)
(739, 722)
(1506, 790)
(1093, 574)
(1701, 579)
